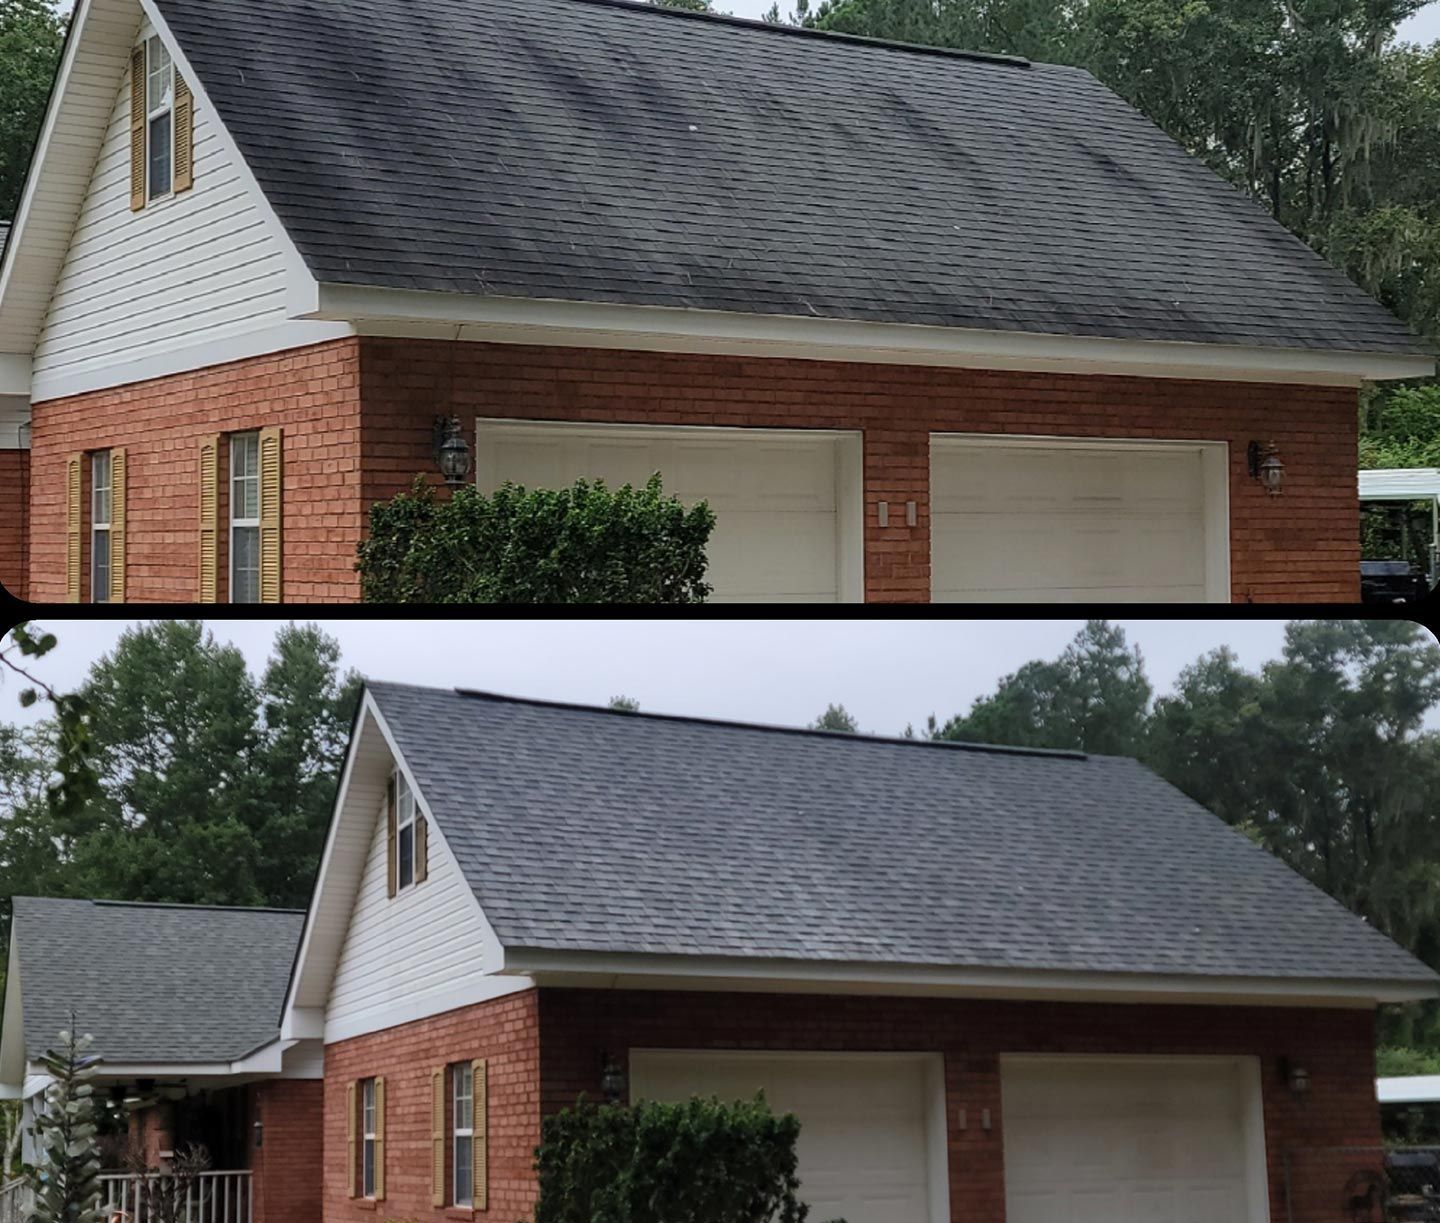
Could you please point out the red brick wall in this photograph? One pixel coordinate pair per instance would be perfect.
(1302, 546)
(286, 1169)
(341, 456)
(577, 1027)
(14, 520)
(312, 393)
(505, 1033)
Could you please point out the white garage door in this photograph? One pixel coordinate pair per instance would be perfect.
(1073, 521)
(867, 1125)
(1134, 1141)
(787, 503)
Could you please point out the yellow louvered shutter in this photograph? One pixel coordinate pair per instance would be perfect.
(137, 128)
(117, 526)
(74, 517)
(184, 136)
(352, 1182)
(479, 1145)
(210, 520)
(380, 1138)
(391, 878)
(437, 1136)
(422, 848)
(270, 478)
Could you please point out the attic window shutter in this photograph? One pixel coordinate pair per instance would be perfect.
(422, 847)
(209, 520)
(270, 515)
(391, 879)
(117, 526)
(184, 173)
(437, 1136)
(137, 128)
(73, 513)
(351, 1103)
(479, 1152)
(380, 1138)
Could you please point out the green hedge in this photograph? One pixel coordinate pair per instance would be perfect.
(703, 1161)
(584, 544)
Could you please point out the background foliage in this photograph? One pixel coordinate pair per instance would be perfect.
(658, 1163)
(583, 544)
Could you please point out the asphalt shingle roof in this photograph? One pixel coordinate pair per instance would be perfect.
(608, 152)
(153, 982)
(588, 829)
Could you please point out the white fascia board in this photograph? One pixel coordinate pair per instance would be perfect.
(638, 971)
(1409, 1089)
(402, 312)
(12, 1035)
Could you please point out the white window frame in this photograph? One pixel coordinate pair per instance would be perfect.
(404, 821)
(462, 1073)
(239, 522)
(166, 107)
(100, 460)
(367, 1138)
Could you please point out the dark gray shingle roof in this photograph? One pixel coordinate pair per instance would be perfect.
(587, 829)
(154, 983)
(580, 149)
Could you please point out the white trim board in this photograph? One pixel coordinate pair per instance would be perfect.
(615, 970)
(408, 313)
(1409, 1089)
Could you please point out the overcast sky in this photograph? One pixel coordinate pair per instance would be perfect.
(781, 671)
(1423, 27)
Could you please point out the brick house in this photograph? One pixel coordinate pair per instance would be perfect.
(993, 983)
(183, 1002)
(919, 324)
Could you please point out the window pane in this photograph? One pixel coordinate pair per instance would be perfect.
(407, 855)
(245, 473)
(245, 565)
(463, 1166)
(100, 489)
(99, 566)
(159, 152)
(463, 1099)
(406, 805)
(368, 1187)
(159, 77)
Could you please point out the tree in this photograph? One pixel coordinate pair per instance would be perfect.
(626, 704)
(1400, 427)
(1094, 697)
(66, 1182)
(31, 34)
(836, 717)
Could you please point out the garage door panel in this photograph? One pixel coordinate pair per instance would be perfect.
(777, 499)
(1068, 523)
(863, 1147)
(1141, 1142)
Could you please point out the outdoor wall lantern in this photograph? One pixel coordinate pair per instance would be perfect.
(1297, 1078)
(612, 1080)
(452, 453)
(1265, 466)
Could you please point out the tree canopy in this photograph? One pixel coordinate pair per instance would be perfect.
(31, 33)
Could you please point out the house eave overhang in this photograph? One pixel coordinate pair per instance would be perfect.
(415, 314)
(264, 1061)
(609, 970)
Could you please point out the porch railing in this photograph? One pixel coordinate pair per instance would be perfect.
(211, 1197)
(14, 1201)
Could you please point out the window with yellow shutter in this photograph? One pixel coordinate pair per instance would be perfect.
(462, 1144)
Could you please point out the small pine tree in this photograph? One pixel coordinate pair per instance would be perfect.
(836, 717)
(66, 1180)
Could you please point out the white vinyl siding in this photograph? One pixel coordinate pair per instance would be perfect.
(185, 271)
(403, 956)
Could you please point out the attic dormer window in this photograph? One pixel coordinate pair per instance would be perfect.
(159, 118)
(404, 833)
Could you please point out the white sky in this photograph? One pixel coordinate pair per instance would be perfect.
(1423, 27)
(887, 673)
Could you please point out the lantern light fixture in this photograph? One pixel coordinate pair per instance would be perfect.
(452, 452)
(1266, 467)
(612, 1080)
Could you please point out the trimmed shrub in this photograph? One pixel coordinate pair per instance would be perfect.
(584, 544)
(704, 1161)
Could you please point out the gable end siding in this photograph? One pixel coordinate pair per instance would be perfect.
(186, 270)
(402, 958)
